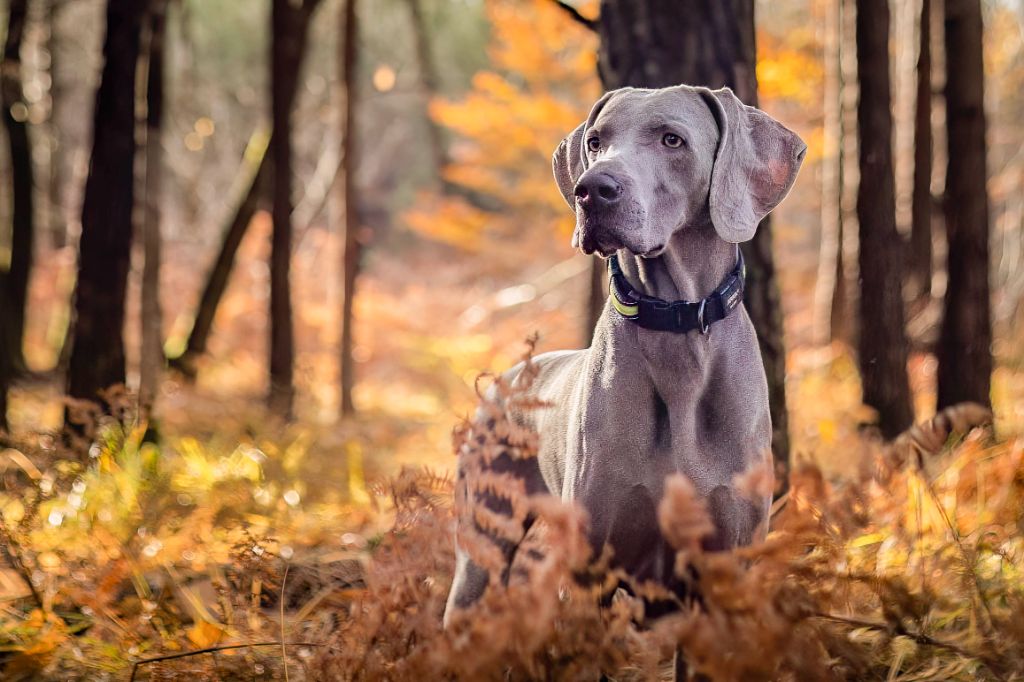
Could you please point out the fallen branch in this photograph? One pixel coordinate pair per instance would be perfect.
(211, 650)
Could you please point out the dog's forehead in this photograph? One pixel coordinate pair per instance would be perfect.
(638, 108)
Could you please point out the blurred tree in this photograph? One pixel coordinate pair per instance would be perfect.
(882, 342)
(256, 167)
(921, 197)
(428, 80)
(56, 222)
(97, 354)
(347, 55)
(289, 26)
(151, 357)
(15, 116)
(829, 289)
(5, 369)
(705, 42)
(965, 341)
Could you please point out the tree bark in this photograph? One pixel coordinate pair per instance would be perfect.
(882, 345)
(352, 256)
(965, 341)
(97, 355)
(657, 43)
(152, 356)
(830, 284)
(5, 370)
(289, 29)
(15, 116)
(57, 218)
(428, 82)
(921, 198)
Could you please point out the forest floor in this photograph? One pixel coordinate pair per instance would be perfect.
(336, 538)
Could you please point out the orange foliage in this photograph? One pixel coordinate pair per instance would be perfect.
(541, 86)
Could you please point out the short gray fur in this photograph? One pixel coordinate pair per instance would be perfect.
(639, 405)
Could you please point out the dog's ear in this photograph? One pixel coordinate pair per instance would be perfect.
(755, 165)
(570, 158)
(568, 163)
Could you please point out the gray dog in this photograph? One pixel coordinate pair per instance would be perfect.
(665, 184)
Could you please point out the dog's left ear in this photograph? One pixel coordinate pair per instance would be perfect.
(755, 165)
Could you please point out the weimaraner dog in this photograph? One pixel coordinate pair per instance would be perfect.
(665, 184)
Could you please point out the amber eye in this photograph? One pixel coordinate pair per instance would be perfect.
(594, 144)
(672, 140)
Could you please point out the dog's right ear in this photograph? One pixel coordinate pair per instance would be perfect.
(568, 163)
(570, 159)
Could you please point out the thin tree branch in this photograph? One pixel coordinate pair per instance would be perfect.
(575, 15)
(210, 650)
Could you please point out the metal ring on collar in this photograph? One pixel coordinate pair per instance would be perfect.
(702, 324)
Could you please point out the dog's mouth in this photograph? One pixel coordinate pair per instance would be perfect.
(591, 241)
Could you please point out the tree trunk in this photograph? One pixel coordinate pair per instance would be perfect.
(351, 258)
(843, 326)
(257, 166)
(657, 43)
(151, 360)
(965, 341)
(882, 345)
(830, 284)
(5, 370)
(289, 29)
(15, 116)
(428, 82)
(921, 201)
(97, 354)
(57, 218)
(597, 293)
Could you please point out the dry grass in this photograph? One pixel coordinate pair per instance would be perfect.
(910, 570)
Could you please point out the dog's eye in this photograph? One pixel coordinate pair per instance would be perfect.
(672, 140)
(594, 144)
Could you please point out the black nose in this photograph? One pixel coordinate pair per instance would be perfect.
(598, 190)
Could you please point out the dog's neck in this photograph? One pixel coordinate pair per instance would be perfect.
(695, 262)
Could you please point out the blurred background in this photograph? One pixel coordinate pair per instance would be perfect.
(254, 255)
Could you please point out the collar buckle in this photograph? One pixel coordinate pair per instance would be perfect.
(702, 324)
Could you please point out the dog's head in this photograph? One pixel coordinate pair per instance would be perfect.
(648, 163)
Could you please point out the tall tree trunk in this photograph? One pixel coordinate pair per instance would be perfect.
(15, 116)
(289, 28)
(351, 259)
(57, 218)
(965, 342)
(921, 200)
(97, 354)
(844, 322)
(882, 345)
(829, 280)
(152, 356)
(257, 168)
(596, 296)
(658, 43)
(428, 81)
(5, 369)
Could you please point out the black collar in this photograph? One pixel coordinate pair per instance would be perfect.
(677, 316)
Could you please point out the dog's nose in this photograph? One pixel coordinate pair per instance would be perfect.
(598, 190)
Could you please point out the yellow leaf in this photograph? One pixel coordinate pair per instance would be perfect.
(205, 634)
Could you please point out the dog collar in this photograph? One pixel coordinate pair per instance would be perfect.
(676, 316)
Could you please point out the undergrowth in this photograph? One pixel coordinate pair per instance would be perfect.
(179, 562)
